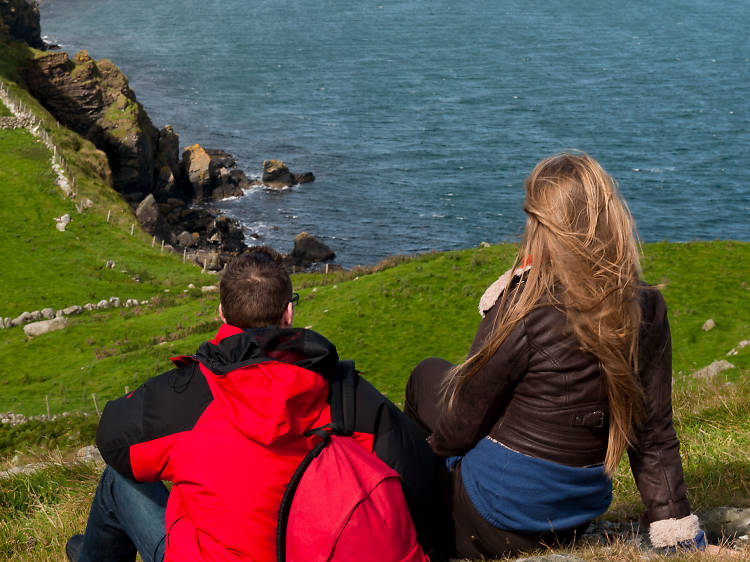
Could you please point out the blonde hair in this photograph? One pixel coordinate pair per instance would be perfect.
(580, 240)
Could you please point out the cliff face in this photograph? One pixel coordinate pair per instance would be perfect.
(20, 18)
(94, 99)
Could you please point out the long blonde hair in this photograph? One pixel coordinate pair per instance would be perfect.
(580, 241)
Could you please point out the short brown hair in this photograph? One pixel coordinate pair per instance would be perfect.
(255, 289)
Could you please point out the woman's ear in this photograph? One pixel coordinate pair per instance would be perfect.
(221, 314)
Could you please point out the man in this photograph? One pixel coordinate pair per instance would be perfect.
(226, 427)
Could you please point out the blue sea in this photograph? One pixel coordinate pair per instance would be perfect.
(420, 120)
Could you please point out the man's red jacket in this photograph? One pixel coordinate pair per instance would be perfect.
(226, 427)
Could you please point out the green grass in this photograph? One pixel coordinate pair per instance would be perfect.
(62, 433)
(39, 512)
(44, 267)
(386, 317)
(4, 111)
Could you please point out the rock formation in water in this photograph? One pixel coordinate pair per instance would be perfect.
(277, 174)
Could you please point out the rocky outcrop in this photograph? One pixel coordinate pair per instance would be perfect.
(308, 249)
(213, 174)
(94, 99)
(20, 19)
(277, 174)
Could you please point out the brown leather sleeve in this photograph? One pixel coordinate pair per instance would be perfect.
(655, 460)
(478, 403)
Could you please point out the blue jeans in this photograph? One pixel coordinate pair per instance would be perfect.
(125, 517)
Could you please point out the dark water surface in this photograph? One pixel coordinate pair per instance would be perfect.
(421, 119)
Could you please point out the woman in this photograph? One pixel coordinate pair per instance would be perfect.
(570, 367)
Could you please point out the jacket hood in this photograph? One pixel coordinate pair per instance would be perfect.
(272, 382)
(234, 348)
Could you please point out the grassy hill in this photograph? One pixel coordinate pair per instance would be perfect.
(386, 318)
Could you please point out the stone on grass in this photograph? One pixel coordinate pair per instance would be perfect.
(114, 301)
(209, 289)
(726, 523)
(713, 369)
(102, 304)
(709, 325)
(48, 313)
(75, 309)
(735, 350)
(44, 326)
(23, 318)
(88, 454)
(62, 222)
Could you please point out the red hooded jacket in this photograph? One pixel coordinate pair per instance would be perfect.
(227, 429)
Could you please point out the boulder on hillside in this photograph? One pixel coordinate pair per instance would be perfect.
(308, 249)
(151, 219)
(44, 326)
(277, 174)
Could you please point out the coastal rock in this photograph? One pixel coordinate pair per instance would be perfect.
(169, 148)
(305, 177)
(308, 249)
(212, 173)
(187, 239)
(197, 165)
(277, 174)
(21, 19)
(45, 326)
(208, 260)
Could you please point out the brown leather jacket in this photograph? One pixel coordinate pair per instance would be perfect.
(542, 396)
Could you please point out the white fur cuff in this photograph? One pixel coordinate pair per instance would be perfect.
(669, 532)
(493, 292)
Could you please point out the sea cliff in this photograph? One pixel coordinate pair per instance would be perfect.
(169, 191)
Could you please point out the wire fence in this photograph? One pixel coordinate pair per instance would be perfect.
(36, 127)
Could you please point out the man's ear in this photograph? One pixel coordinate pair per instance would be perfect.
(221, 314)
(288, 316)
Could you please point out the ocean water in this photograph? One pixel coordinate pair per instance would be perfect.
(420, 120)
